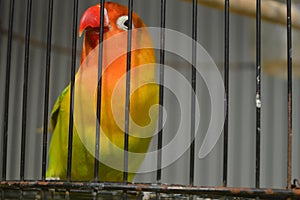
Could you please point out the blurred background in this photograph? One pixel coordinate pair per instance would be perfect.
(241, 160)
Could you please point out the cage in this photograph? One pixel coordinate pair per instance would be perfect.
(228, 81)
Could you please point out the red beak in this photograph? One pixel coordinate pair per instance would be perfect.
(91, 19)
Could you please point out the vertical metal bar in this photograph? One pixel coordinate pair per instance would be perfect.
(127, 100)
(43, 194)
(25, 89)
(21, 195)
(289, 95)
(161, 89)
(67, 195)
(7, 85)
(258, 91)
(73, 66)
(99, 91)
(95, 195)
(193, 97)
(226, 83)
(47, 83)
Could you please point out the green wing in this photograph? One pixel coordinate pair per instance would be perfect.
(57, 106)
(58, 146)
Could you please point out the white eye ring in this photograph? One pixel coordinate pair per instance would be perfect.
(122, 22)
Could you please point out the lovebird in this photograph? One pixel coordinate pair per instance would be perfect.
(144, 98)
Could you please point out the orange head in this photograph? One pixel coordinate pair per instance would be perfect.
(115, 21)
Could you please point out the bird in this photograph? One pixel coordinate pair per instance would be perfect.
(144, 98)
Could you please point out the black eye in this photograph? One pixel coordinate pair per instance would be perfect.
(126, 23)
(123, 22)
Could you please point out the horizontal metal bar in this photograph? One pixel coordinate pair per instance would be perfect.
(163, 188)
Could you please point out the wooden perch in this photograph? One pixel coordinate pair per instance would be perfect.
(271, 11)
